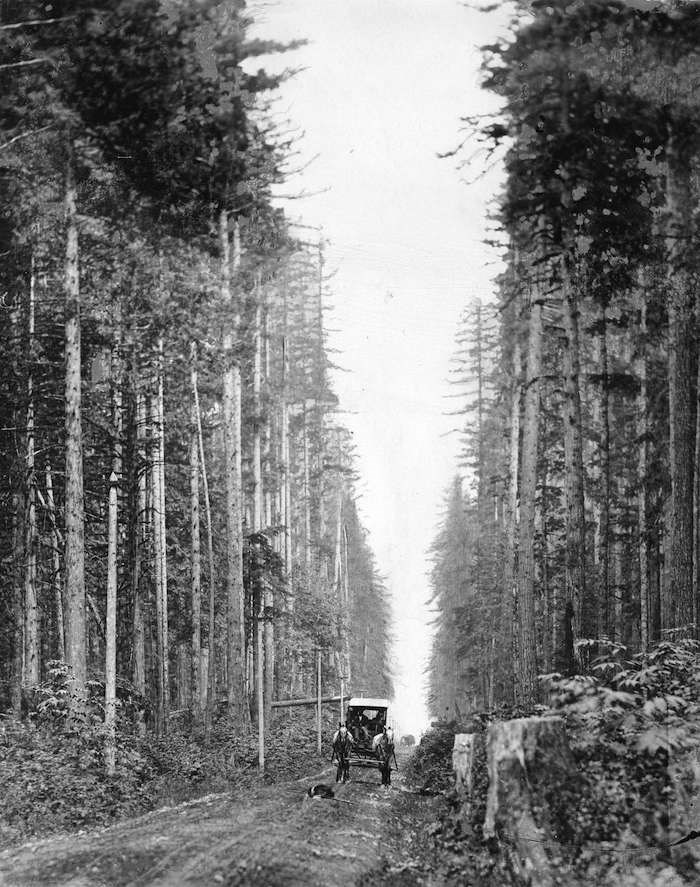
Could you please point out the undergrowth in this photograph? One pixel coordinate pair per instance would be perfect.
(631, 723)
(53, 775)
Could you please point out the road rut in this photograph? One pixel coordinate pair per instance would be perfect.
(272, 835)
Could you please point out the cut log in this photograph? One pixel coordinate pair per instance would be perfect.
(288, 703)
(533, 787)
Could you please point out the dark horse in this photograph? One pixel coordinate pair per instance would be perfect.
(341, 748)
(384, 749)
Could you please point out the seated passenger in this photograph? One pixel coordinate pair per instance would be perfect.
(374, 727)
(365, 725)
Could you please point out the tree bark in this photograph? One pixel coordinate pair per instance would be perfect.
(163, 538)
(601, 540)
(32, 662)
(348, 605)
(209, 654)
(642, 439)
(306, 504)
(682, 371)
(286, 500)
(510, 563)
(235, 623)
(139, 543)
(529, 762)
(75, 628)
(576, 609)
(527, 677)
(260, 663)
(196, 565)
(17, 606)
(56, 579)
(111, 630)
(157, 566)
(268, 601)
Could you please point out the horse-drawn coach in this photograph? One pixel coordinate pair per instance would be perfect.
(372, 739)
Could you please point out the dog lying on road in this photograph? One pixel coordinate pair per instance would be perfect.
(320, 791)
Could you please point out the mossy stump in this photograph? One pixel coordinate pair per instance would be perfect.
(533, 789)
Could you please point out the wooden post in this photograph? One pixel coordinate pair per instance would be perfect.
(318, 699)
(342, 695)
(111, 629)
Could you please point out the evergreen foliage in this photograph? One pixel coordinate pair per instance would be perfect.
(157, 114)
(580, 428)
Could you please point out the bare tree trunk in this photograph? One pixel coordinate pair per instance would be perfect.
(682, 370)
(338, 575)
(140, 536)
(183, 681)
(348, 605)
(210, 653)
(268, 625)
(235, 623)
(528, 487)
(17, 606)
(549, 613)
(55, 563)
(642, 435)
(31, 607)
(510, 564)
(111, 630)
(75, 628)
(260, 663)
(618, 594)
(306, 496)
(286, 502)
(163, 538)
(157, 565)
(601, 542)
(576, 608)
(196, 565)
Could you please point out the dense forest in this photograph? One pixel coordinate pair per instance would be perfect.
(572, 531)
(179, 535)
(187, 589)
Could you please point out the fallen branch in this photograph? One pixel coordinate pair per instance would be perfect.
(23, 64)
(36, 21)
(24, 135)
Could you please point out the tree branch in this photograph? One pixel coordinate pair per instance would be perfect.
(23, 64)
(24, 135)
(37, 21)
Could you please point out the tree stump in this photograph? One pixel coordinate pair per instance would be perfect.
(684, 808)
(463, 766)
(463, 761)
(533, 788)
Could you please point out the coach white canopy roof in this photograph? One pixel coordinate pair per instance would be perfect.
(367, 702)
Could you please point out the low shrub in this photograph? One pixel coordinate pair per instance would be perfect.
(53, 774)
(625, 721)
(429, 769)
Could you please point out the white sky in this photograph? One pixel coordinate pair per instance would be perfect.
(383, 87)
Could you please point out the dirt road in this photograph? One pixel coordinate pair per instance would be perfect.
(273, 836)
